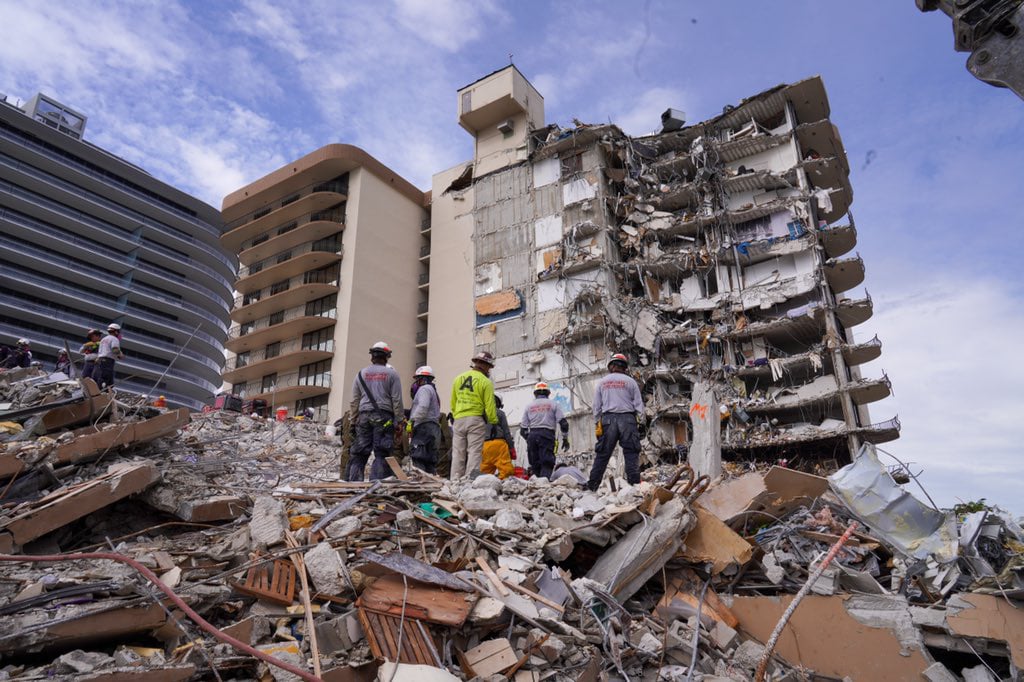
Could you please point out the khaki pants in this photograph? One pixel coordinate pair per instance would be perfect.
(468, 436)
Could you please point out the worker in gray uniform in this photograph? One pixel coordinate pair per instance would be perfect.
(424, 420)
(377, 404)
(618, 408)
(538, 428)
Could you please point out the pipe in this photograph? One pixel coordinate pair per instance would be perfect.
(178, 601)
(769, 647)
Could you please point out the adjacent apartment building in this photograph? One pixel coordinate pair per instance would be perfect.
(330, 248)
(717, 256)
(87, 239)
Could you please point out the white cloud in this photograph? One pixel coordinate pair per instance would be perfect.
(274, 26)
(448, 24)
(949, 349)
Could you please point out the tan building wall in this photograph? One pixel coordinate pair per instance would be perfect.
(451, 322)
(378, 295)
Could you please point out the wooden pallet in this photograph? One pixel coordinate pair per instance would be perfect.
(382, 634)
(274, 582)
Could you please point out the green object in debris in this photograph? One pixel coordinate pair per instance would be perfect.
(433, 510)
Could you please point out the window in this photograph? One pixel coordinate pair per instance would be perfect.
(278, 287)
(323, 307)
(467, 101)
(245, 328)
(796, 229)
(318, 403)
(268, 383)
(327, 275)
(260, 213)
(242, 359)
(259, 240)
(276, 318)
(272, 350)
(285, 229)
(251, 297)
(288, 200)
(282, 257)
(571, 165)
(315, 374)
(322, 339)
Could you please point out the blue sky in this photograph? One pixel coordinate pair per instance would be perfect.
(209, 96)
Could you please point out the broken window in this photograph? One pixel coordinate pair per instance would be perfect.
(571, 165)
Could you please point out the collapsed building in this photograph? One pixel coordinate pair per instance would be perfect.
(717, 256)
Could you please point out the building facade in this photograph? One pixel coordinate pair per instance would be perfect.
(716, 256)
(87, 239)
(330, 250)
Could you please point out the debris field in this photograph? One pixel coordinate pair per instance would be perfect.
(139, 543)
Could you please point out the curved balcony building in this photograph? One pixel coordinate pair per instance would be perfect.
(88, 239)
(329, 248)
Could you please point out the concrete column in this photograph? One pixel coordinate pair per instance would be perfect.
(706, 448)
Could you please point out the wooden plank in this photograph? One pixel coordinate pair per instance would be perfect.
(90, 442)
(396, 468)
(88, 410)
(426, 602)
(492, 576)
(491, 658)
(383, 632)
(533, 595)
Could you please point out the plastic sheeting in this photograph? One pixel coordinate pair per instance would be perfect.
(904, 522)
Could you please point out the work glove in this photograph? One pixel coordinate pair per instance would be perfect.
(408, 426)
(598, 429)
(512, 453)
(565, 444)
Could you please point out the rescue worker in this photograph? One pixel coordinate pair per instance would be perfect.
(107, 355)
(473, 410)
(89, 351)
(538, 428)
(377, 404)
(498, 449)
(424, 420)
(63, 362)
(618, 408)
(21, 356)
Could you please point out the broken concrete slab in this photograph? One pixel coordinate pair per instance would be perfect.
(77, 626)
(408, 672)
(989, 617)
(73, 502)
(641, 552)
(269, 521)
(91, 442)
(326, 569)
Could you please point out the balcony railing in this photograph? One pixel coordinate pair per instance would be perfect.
(282, 382)
(288, 315)
(423, 307)
(330, 245)
(86, 322)
(130, 214)
(421, 337)
(425, 251)
(338, 186)
(313, 277)
(425, 278)
(108, 179)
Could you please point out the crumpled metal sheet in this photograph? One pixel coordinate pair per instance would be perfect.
(908, 525)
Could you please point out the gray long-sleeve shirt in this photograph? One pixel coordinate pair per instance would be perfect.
(542, 413)
(617, 393)
(426, 406)
(385, 386)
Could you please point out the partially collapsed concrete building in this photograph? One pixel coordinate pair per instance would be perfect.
(716, 255)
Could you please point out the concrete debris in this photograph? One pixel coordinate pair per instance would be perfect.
(526, 580)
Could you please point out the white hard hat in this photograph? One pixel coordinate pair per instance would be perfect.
(424, 371)
(114, 326)
(23, 342)
(380, 347)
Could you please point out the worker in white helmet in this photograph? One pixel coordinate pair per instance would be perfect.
(378, 412)
(424, 420)
(618, 408)
(107, 356)
(538, 429)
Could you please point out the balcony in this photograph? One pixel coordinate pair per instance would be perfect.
(838, 240)
(421, 339)
(844, 274)
(425, 226)
(422, 309)
(312, 199)
(311, 256)
(293, 323)
(308, 228)
(425, 253)
(130, 216)
(108, 179)
(287, 388)
(257, 363)
(424, 280)
(297, 290)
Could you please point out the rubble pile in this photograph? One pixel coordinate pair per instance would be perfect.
(150, 544)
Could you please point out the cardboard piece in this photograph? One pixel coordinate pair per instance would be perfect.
(991, 617)
(714, 542)
(822, 636)
(498, 302)
(490, 658)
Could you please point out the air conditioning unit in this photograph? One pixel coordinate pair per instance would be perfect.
(506, 127)
(672, 119)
